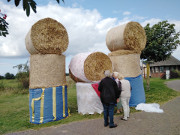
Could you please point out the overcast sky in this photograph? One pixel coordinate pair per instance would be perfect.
(86, 21)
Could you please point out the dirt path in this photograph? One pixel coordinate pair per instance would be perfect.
(175, 85)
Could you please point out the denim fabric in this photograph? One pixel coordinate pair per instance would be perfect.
(109, 112)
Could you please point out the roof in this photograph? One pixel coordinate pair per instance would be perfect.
(171, 61)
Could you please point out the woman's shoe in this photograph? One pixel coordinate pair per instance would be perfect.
(124, 119)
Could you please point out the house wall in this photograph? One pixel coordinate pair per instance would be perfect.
(159, 71)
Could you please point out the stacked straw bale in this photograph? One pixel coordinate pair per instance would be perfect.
(46, 41)
(86, 68)
(130, 36)
(89, 67)
(47, 70)
(47, 36)
(128, 65)
(126, 43)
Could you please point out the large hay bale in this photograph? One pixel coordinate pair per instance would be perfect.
(127, 36)
(47, 36)
(88, 67)
(127, 65)
(47, 70)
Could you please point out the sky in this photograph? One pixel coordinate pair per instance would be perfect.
(86, 21)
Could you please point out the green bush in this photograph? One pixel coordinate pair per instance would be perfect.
(23, 78)
(174, 74)
(1, 77)
(9, 76)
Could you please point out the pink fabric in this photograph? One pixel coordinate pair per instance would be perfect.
(95, 87)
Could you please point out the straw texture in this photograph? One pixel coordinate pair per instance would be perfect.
(121, 52)
(89, 67)
(129, 36)
(47, 70)
(95, 65)
(127, 65)
(47, 36)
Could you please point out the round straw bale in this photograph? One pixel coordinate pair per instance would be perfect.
(128, 65)
(47, 70)
(89, 67)
(127, 36)
(47, 36)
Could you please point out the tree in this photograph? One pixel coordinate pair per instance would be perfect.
(162, 40)
(9, 76)
(23, 74)
(27, 4)
(3, 25)
(1, 77)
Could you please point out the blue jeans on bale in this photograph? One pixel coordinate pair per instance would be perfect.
(109, 112)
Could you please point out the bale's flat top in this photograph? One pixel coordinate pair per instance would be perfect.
(135, 36)
(95, 65)
(49, 36)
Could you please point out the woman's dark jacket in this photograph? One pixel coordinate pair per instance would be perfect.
(109, 90)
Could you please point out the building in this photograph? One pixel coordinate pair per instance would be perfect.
(157, 69)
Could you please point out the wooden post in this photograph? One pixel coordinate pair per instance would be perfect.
(148, 77)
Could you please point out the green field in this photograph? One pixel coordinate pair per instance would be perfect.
(14, 104)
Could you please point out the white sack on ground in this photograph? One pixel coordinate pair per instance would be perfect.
(87, 99)
(154, 107)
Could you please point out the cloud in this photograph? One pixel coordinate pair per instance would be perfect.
(151, 21)
(86, 28)
(126, 13)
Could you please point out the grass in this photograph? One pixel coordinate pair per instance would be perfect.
(159, 92)
(14, 105)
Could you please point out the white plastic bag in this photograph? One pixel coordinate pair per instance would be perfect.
(154, 107)
(87, 99)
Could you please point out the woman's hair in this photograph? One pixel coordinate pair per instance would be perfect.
(116, 74)
(107, 73)
(121, 77)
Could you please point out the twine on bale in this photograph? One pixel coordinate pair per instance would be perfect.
(128, 65)
(47, 36)
(122, 52)
(47, 71)
(129, 36)
(89, 67)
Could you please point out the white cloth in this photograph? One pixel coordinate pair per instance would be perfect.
(87, 99)
(125, 104)
(154, 107)
(126, 88)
